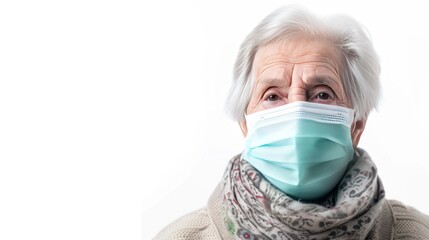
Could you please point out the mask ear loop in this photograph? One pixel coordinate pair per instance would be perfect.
(354, 117)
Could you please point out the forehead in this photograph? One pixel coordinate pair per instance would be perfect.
(320, 52)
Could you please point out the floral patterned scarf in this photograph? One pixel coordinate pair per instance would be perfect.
(255, 209)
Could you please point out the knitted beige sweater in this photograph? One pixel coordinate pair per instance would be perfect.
(396, 221)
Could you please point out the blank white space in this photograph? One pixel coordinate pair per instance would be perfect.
(111, 112)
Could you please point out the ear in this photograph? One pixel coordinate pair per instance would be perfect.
(243, 127)
(357, 130)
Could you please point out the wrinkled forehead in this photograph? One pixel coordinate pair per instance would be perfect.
(317, 53)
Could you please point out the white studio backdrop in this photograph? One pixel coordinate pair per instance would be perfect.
(111, 112)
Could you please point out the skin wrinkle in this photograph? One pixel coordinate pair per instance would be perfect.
(306, 58)
(298, 71)
(281, 58)
(317, 78)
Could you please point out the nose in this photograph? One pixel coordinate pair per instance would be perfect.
(297, 90)
(296, 94)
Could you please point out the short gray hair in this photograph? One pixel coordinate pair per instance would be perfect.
(360, 67)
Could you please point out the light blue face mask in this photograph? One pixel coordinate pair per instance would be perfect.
(302, 148)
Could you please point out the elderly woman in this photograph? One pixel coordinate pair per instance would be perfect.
(302, 92)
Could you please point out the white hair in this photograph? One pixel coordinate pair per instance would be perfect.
(359, 69)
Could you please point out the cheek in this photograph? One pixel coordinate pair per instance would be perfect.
(253, 107)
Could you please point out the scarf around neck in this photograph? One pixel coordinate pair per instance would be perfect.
(255, 209)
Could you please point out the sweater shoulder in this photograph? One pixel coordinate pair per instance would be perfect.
(194, 225)
(409, 223)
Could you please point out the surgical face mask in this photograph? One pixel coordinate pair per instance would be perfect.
(302, 148)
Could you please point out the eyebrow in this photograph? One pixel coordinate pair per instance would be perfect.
(323, 79)
(319, 79)
(271, 81)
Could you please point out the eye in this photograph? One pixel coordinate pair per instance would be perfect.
(323, 96)
(273, 97)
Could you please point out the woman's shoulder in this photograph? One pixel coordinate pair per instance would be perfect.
(194, 225)
(408, 221)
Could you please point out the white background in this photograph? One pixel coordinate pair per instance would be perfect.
(111, 112)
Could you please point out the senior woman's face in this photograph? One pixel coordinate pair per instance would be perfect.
(298, 70)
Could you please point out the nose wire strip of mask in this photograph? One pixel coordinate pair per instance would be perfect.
(304, 106)
(321, 115)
